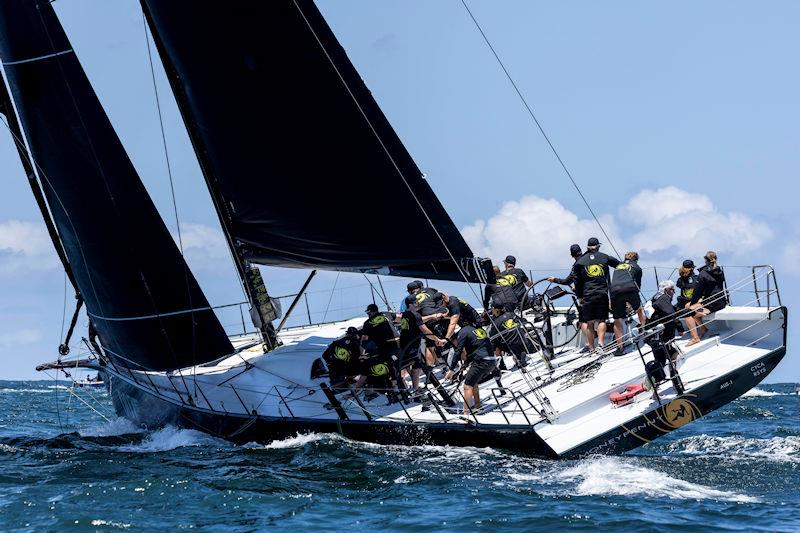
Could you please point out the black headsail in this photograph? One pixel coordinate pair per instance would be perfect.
(304, 167)
(142, 299)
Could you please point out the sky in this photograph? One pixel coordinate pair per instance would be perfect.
(679, 121)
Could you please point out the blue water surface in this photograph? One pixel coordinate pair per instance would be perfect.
(63, 466)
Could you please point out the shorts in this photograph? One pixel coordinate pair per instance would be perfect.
(717, 302)
(595, 310)
(478, 370)
(619, 303)
(581, 317)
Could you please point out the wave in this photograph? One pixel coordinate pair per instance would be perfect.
(761, 393)
(112, 428)
(298, 441)
(781, 449)
(613, 476)
(44, 390)
(170, 438)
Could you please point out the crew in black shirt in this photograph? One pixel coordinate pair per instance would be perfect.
(625, 284)
(510, 336)
(342, 357)
(516, 280)
(476, 351)
(379, 329)
(591, 284)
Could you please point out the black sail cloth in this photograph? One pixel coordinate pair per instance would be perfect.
(144, 302)
(304, 167)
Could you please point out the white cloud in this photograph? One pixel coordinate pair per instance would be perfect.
(674, 219)
(660, 224)
(204, 246)
(25, 245)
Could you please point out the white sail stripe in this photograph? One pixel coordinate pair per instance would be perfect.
(38, 58)
(148, 317)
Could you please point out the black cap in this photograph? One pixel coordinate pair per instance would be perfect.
(593, 242)
(575, 249)
(511, 260)
(416, 284)
(688, 264)
(351, 331)
(372, 308)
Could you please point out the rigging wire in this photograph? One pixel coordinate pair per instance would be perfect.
(333, 290)
(539, 125)
(386, 151)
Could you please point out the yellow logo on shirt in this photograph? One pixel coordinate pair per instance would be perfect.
(421, 297)
(377, 320)
(480, 333)
(381, 369)
(624, 266)
(341, 353)
(688, 293)
(595, 271)
(404, 324)
(509, 280)
(510, 324)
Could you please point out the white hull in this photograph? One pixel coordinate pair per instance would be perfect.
(252, 390)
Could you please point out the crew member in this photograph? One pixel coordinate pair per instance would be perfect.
(413, 333)
(517, 280)
(591, 284)
(475, 348)
(510, 336)
(342, 358)
(489, 290)
(575, 252)
(625, 287)
(687, 281)
(709, 296)
(665, 314)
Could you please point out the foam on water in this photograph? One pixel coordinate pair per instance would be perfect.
(613, 476)
(782, 449)
(170, 438)
(298, 441)
(760, 393)
(112, 428)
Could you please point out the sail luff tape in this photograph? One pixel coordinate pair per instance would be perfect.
(38, 58)
(148, 317)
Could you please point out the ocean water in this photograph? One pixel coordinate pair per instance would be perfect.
(62, 466)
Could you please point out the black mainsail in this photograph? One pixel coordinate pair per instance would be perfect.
(304, 167)
(140, 295)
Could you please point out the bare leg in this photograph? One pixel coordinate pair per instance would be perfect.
(477, 391)
(415, 374)
(468, 398)
(691, 325)
(618, 331)
(589, 333)
(640, 314)
(430, 357)
(601, 333)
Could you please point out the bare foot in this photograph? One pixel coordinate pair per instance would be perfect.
(692, 342)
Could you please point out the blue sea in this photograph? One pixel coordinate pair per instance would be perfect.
(63, 466)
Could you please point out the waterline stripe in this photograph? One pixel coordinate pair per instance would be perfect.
(39, 58)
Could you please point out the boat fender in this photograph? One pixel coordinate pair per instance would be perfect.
(626, 396)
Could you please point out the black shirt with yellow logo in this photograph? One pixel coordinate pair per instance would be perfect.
(627, 278)
(342, 355)
(516, 279)
(410, 333)
(476, 343)
(380, 330)
(686, 286)
(430, 301)
(592, 272)
(510, 335)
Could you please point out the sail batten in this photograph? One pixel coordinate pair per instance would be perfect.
(124, 260)
(306, 170)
